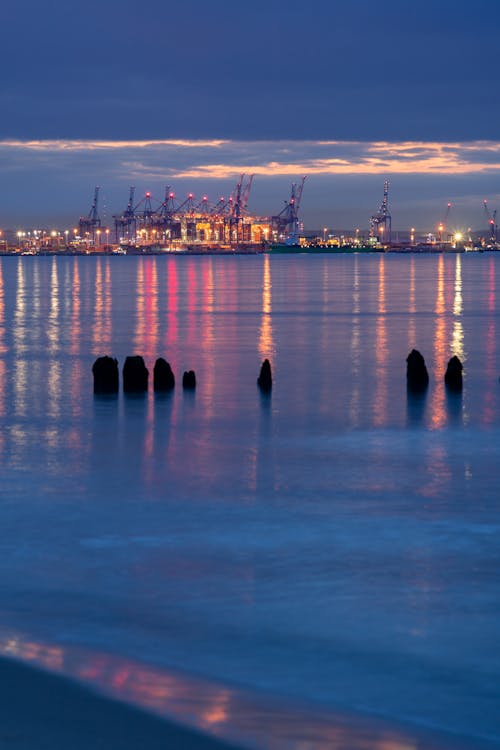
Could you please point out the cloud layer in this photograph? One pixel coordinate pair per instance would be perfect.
(53, 179)
(220, 159)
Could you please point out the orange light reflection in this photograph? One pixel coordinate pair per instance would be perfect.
(230, 714)
(266, 345)
(437, 402)
(354, 407)
(381, 352)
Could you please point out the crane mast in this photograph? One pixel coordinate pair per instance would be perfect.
(381, 222)
(443, 224)
(90, 223)
(286, 223)
(492, 223)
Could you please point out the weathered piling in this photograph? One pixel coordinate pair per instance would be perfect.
(453, 375)
(163, 377)
(135, 375)
(417, 377)
(265, 379)
(105, 372)
(189, 380)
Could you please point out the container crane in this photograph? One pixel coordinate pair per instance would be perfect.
(237, 206)
(492, 222)
(165, 222)
(442, 224)
(90, 223)
(125, 223)
(381, 222)
(287, 221)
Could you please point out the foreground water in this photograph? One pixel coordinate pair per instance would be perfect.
(335, 543)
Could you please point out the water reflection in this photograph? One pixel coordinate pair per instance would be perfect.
(19, 329)
(172, 301)
(354, 406)
(208, 309)
(489, 405)
(54, 379)
(102, 328)
(228, 713)
(37, 295)
(438, 474)
(75, 329)
(266, 345)
(415, 407)
(3, 351)
(381, 352)
(192, 303)
(20, 367)
(149, 345)
(3, 347)
(412, 308)
(457, 342)
(438, 410)
(53, 332)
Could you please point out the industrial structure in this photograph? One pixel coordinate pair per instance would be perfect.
(286, 225)
(492, 223)
(195, 224)
(442, 226)
(174, 223)
(90, 224)
(381, 222)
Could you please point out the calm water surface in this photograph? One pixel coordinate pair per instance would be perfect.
(335, 543)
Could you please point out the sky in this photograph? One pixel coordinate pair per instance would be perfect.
(192, 94)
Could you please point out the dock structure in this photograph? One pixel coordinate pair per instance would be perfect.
(192, 222)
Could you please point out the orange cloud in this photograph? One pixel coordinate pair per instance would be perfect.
(187, 158)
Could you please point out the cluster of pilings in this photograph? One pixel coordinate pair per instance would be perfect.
(417, 377)
(136, 375)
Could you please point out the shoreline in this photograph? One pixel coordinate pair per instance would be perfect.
(42, 709)
(231, 252)
(70, 697)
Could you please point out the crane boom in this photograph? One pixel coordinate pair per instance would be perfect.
(492, 225)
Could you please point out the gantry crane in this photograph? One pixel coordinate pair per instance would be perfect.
(443, 224)
(492, 222)
(125, 223)
(90, 223)
(286, 223)
(238, 204)
(381, 222)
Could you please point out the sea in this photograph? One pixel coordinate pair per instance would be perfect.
(328, 552)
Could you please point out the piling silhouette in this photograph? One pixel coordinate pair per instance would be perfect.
(453, 376)
(417, 377)
(189, 380)
(163, 377)
(105, 372)
(265, 379)
(135, 375)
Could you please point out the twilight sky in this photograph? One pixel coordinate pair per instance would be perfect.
(189, 94)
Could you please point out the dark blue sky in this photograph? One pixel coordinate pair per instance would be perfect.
(358, 71)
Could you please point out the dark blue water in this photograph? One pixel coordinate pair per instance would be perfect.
(336, 542)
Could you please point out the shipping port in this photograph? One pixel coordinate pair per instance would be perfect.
(191, 225)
